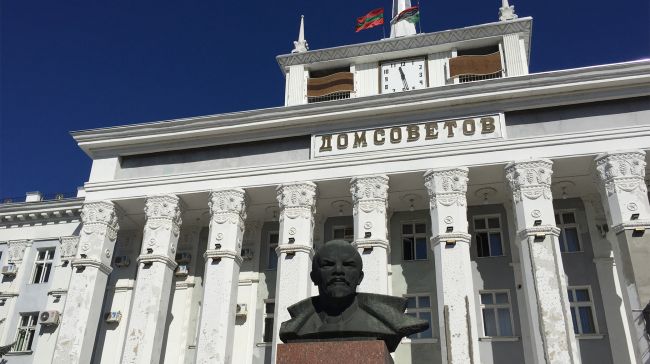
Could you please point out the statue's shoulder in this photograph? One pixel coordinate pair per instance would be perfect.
(300, 312)
(390, 310)
(302, 308)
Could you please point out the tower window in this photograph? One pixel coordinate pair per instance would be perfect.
(476, 64)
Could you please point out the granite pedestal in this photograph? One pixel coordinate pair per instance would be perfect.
(337, 352)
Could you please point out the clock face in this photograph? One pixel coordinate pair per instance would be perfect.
(403, 75)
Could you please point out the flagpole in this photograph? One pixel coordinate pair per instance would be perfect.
(420, 17)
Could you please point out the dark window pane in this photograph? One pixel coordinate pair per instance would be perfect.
(428, 333)
(273, 238)
(482, 245)
(568, 218)
(489, 322)
(410, 302)
(407, 246)
(37, 273)
(273, 258)
(570, 293)
(46, 272)
(557, 219)
(270, 307)
(493, 223)
(575, 321)
(587, 320)
(338, 233)
(424, 302)
(582, 295)
(495, 244)
(31, 339)
(421, 248)
(41, 254)
(479, 223)
(349, 232)
(268, 329)
(505, 326)
(562, 243)
(572, 242)
(407, 229)
(486, 298)
(420, 228)
(501, 298)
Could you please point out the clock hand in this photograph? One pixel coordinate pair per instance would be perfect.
(401, 74)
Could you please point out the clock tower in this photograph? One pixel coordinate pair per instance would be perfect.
(408, 62)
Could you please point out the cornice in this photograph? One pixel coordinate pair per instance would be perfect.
(386, 46)
(605, 82)
(42, 211)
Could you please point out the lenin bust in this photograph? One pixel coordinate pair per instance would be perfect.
(340, 313)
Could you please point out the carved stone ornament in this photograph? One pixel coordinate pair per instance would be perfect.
(100, 218)
(446, 187)
(369, 193)
(163, 211)
(530, 179)
(297, 200)
(69, 246)
(622, 172)
(17, 250)
(228, 206)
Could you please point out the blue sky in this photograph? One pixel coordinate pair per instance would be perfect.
(72, 65)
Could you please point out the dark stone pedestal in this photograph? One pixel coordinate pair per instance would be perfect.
(337, 352)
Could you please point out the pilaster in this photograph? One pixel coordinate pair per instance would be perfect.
(297, 203)
(544, 282)
(514, 54)
(91, 267)
(621, 178)
(296, 86)
(221, 278)
(450, 243)
(156, 264)
(370, 201)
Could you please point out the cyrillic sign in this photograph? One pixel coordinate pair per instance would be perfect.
(427, 133)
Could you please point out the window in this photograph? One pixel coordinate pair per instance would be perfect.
(569, 237)
(26, 332)
(497, 314)
(488, 236)
(269, 307)
(420, 306)
(343, 232)
(582, 310)
(414, 241)
(273, 256)
(43, 265)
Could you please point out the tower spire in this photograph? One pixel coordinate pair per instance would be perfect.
(401, 28)
(301, 45)
(507, 11)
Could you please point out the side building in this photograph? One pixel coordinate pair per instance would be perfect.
(510, 209)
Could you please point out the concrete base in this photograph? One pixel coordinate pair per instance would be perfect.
(339, 352)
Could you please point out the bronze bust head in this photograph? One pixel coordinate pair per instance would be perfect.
(339, 312)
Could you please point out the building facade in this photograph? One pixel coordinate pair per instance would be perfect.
(509, 208)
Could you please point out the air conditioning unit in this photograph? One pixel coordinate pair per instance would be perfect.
(113, 317)
(242, 310)
(183, 258)
(9, 270)
(182, 270)
(49, 318)
(122, 261)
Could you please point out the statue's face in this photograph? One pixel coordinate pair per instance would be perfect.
(337, 271)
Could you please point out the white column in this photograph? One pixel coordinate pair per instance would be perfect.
(544, 282)
(156, 264)
(450, 243)
(514, 55)
(618, 328)
(436, 66)
(295, 250)
(366, 82)
(621, 176)
(221, 278)
(296, 86)
(91, 267)
(370, 198)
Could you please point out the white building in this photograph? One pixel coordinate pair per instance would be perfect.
(510, 207)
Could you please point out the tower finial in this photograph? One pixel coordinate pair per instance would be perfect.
(301, 45)
(507, 11)
(403, 27)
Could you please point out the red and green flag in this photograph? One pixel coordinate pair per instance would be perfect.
(372, 19)
(412, 15)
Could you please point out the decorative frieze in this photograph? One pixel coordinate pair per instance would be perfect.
(69, 245)
(17, 250)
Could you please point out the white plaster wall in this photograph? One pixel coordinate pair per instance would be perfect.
(436, 68)
(366, 79)
(40, 230)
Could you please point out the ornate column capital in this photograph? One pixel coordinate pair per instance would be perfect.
(99, 216)
(297, 200)
(228, 205)
(621, 171)
(369, 193)
(163, 208)
(446, 186)
(530, 179)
